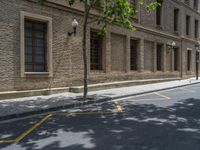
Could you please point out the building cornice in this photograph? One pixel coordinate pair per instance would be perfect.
(156, 32)
(186, 6)
(164, 34)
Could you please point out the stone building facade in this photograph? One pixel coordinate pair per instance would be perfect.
(120, 55)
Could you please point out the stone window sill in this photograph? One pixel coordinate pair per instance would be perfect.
(135, 19)
(37, 74)
(97, 71)
(134, 71)
(159, 27)
(176, 33)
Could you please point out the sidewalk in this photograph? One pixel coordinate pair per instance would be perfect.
(20, 107)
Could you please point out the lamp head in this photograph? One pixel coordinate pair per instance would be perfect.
(173, 44)
(74, 26)
(74, 23)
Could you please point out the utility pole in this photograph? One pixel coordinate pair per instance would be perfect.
(197, 46)
(197, 65)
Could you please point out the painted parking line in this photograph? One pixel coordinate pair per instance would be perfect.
(26, 133)
(117, 105)
(150, 99)
(84, 113)
(132, 98)
(161, 95)
(30, 130)
(7, 141)
(22, 136)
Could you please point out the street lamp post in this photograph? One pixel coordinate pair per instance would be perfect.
(197, 46)
(171, 47)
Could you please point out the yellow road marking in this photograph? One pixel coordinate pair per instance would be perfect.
(150, 99)
(119, 108)
(162, 95)
(116, 103)
(85, 113)
(26, 133)
(23, 135)
(7, 141)
(32, 128)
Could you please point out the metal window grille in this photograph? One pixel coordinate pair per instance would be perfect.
(188, 60)
(96, 51)
(196, 4)
(35, 46)
(187, 2)
(196, 28)
(159, 13)
(134, 46)
(176, 12)
(176, 59)
(159, 57)
(187, 25)
(134, 3)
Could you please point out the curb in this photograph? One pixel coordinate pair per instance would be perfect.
(78, 104)
(163, 89)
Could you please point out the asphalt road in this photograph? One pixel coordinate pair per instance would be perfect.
(167, 120)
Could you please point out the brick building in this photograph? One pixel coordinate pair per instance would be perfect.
(36, 51)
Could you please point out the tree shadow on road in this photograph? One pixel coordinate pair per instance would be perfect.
(139, 127)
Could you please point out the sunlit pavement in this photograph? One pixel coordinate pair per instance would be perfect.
(167, 120)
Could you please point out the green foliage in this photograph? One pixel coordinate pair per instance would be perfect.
(152, 6)
(41, 2)
(118, 12)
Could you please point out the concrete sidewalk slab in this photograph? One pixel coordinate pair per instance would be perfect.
(21, 107)
(142, 89)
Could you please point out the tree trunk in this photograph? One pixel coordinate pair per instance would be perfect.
(85, 80)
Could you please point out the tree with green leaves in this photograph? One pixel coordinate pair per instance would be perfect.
(118, 12)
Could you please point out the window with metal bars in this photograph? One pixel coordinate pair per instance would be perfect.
(159, 14)
(96, 52)
(176, 59)
(196, 4)
(159, 57)
(134, 5)
(98, 4)
(189, 60)
(35, 46)
(134, 46)
(176, 14)
(196, 28)
(187, 2)
(187, 25)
